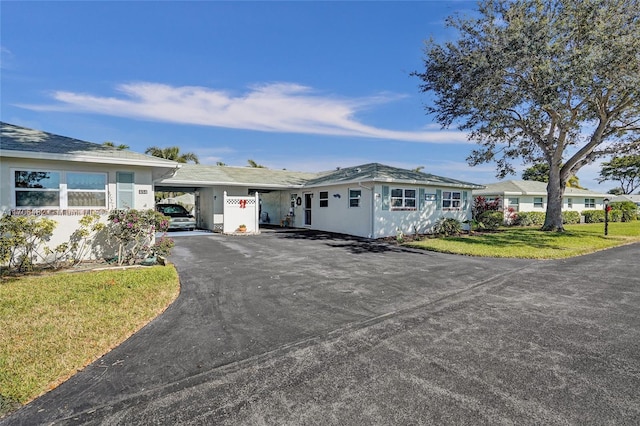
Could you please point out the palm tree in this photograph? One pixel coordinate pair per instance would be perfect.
(120, 147)
(255, 165)
(172, 153)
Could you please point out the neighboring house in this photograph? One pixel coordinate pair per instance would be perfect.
(634, 198)
(531, 196)
(371, 200)
(42, 174)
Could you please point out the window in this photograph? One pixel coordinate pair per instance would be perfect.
(451, 199)
(569, 203)
(514, 203)
(34, 188)
(537, 202)
(589, 203)
(324, 199)
(403, 199)
(37, 188)
(354, 197)
(86, 189)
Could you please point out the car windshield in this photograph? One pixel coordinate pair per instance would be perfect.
(173, 210)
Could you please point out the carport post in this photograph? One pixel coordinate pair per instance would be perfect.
(257, 213)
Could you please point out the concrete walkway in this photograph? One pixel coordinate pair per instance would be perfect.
(310, 328)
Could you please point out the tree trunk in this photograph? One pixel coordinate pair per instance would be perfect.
(555, 190)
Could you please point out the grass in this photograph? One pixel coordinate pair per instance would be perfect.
(531, 243)
(53, 325)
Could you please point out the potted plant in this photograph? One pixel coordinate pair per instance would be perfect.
(242, 228)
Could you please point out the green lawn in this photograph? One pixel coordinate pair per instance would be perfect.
(534, 244)
(53, 325)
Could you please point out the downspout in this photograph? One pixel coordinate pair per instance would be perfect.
(373, 200)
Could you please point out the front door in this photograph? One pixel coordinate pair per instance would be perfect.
(307, 209)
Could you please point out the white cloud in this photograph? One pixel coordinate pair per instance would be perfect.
(274, 107)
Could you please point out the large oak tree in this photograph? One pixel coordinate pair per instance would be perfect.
(554, 81)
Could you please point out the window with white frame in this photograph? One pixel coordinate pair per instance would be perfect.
(36, 188)
(59, 189)
(403, 199)
(354, 197)
(537, 202)
(86, 189)
(514, 203)
(569, 203)
(451, 200)
(324, 198)
(589, 203)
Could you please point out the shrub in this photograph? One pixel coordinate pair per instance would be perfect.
(593, 216)
(134, 231)
(22, 239)
(615, 216)
(628, 210)
(446, 226)
(482, 205)
(491, 219)
(570, 217)
(530, 218)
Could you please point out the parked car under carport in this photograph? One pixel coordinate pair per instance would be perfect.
(179, 217)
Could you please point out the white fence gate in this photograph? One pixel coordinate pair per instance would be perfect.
(241, 211)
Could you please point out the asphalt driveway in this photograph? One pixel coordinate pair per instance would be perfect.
(312, 328)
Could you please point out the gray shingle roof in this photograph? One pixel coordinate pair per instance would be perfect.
(229, 175)
(22, 141)
(191, 174)
(528, 187)
(376, 172)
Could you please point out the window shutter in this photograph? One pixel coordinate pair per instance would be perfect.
(438, 199)
(385, 197)
(420, 198)
(465, 200)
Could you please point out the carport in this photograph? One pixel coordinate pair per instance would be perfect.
(227, 197)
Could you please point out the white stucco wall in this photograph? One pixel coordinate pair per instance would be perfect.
(67, 218)
(388, 222)
(338, 216)
(369, 220)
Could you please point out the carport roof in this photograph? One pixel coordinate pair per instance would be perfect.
(202, 175)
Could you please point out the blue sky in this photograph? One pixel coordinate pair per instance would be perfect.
(306, 86)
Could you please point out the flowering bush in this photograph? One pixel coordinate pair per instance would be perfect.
(163, 246)
(134, 232)
(22, 240)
